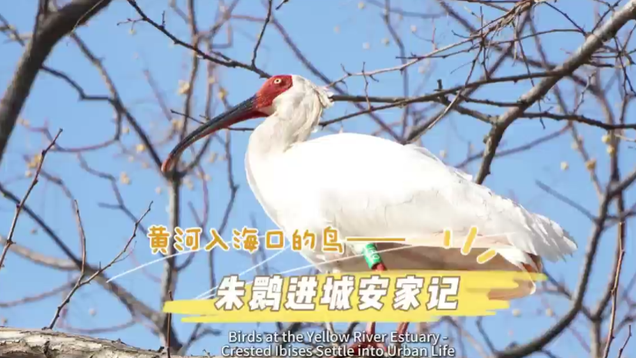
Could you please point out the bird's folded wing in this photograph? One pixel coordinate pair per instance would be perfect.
(372, 187)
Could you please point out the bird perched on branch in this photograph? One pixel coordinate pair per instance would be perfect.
(367, 186)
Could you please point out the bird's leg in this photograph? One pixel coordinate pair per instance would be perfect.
(372, 256)
(401, 329)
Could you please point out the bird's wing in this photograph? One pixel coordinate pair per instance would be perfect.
(369, 186)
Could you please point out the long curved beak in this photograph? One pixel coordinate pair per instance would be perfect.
(243, 111)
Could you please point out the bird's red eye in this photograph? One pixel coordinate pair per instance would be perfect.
(278, 81)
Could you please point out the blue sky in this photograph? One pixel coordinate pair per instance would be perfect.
(332, 35)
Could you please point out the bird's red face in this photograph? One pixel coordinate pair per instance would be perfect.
(254, 107)
(272, 88)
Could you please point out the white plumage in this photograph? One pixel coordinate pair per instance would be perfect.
(369, 186)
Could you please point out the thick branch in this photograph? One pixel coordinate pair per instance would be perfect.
(51, 29)
(27, 343)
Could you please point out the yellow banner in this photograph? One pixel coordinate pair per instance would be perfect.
(391, 296)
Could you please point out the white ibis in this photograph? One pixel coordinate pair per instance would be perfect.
(367, 186)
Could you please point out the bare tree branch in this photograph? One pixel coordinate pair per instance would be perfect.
(52, 27)
(37, 344)
(20, 205)
(587, 49)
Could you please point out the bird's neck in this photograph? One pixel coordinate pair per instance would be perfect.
(281, 131)
(265, 157)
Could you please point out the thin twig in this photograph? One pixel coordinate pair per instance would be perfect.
(619, 265)
(19, 206)
(629, 336)
(98, 272)
(78, 283)
(259, 39)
